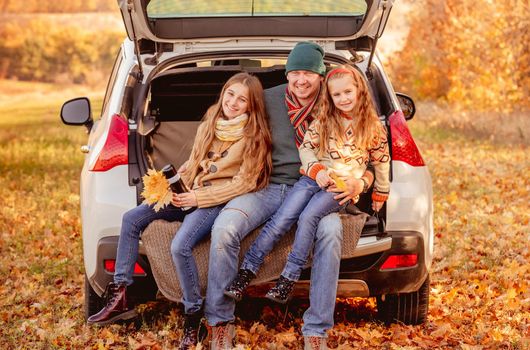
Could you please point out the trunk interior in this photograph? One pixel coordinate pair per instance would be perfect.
(179, 99)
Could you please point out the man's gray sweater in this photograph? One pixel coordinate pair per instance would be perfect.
(285, 158)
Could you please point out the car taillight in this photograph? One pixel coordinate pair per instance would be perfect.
(110, 266)
(397, 261)
(403, 146)
(115, 150)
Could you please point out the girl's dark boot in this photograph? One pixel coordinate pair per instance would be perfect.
(191, 330)
(236, 289)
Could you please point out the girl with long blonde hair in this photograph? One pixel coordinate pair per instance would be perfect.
(345, 136)
(231, 156)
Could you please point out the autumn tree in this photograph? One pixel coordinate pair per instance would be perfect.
(473, 54)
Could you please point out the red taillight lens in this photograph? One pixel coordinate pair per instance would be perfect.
(397, 261)
(403, 146)
(114, 152)
(110, 266)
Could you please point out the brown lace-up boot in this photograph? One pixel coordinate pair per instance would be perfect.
(315, 343)
(223, 336)
(116, 307)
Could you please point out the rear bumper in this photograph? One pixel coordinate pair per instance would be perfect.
(107, 247)
(362, 276)
(391, 281)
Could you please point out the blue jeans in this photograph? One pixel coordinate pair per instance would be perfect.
(239, 217)
(306, 204)
(195, 227)
(133, 224)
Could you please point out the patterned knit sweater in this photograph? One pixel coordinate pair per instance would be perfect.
(220, 177)
(347, 160)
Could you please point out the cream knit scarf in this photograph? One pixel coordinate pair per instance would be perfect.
(231, 129)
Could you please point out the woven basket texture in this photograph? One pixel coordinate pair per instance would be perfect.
(158, 235)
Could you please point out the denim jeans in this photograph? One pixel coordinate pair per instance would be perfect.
(195, 227)
(306, 204)
(320, 204)
(239, 217)
(133, 224)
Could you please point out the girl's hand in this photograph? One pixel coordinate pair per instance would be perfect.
(183, 167)
(323, 180)
(354, 187)
(187, 199)
(376, 206)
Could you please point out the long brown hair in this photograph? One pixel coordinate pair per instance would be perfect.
(366, 123)
(257, 155)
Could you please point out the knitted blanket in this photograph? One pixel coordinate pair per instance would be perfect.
(158, 235)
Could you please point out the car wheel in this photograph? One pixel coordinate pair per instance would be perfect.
(409, 308)
(93, 302)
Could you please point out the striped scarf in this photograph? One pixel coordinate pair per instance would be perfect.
(299, 115)
(231, 129)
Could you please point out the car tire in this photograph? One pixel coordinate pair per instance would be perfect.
(93, 302)
(409, 308)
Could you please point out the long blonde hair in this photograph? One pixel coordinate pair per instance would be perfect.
(366, 123)
(258, 163)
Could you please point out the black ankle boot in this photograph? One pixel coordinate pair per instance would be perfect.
(281, 292)
(236, 289)
(191, 330)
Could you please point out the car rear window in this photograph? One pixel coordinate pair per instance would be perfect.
(249, 8)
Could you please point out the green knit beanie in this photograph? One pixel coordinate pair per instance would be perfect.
(306, 56)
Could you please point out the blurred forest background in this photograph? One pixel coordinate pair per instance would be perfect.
(472, 56)
(466, 63)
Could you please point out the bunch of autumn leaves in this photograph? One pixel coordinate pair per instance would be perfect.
(156, 190)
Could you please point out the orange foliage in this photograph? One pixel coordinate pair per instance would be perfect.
(472, 54)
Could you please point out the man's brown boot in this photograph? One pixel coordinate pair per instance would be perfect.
(116, 307)
(223, 336)
(315, 343)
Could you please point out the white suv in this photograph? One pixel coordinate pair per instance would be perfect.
(172, 66)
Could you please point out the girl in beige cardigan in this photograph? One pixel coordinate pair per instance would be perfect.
(230, 157)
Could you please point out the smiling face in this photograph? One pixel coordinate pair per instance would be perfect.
(343, 92)
(304, 85)
(235, 100)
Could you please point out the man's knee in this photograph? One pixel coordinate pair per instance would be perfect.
(330, 228)
(228, 227)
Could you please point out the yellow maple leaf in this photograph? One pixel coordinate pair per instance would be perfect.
(340, 183)
(156, 189)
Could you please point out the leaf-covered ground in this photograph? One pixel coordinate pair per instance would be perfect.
(480, 297)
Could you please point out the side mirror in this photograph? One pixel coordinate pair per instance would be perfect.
(77, 112)
(407, 105)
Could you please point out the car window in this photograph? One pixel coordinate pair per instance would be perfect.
(112, 79)
(207, 8)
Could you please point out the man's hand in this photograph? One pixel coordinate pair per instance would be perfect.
(187, 199)
(323, 180)
(354, 187)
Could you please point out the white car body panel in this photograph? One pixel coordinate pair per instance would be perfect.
(105, 197)
(409, 206)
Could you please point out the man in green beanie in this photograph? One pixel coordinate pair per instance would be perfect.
(290, 108)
